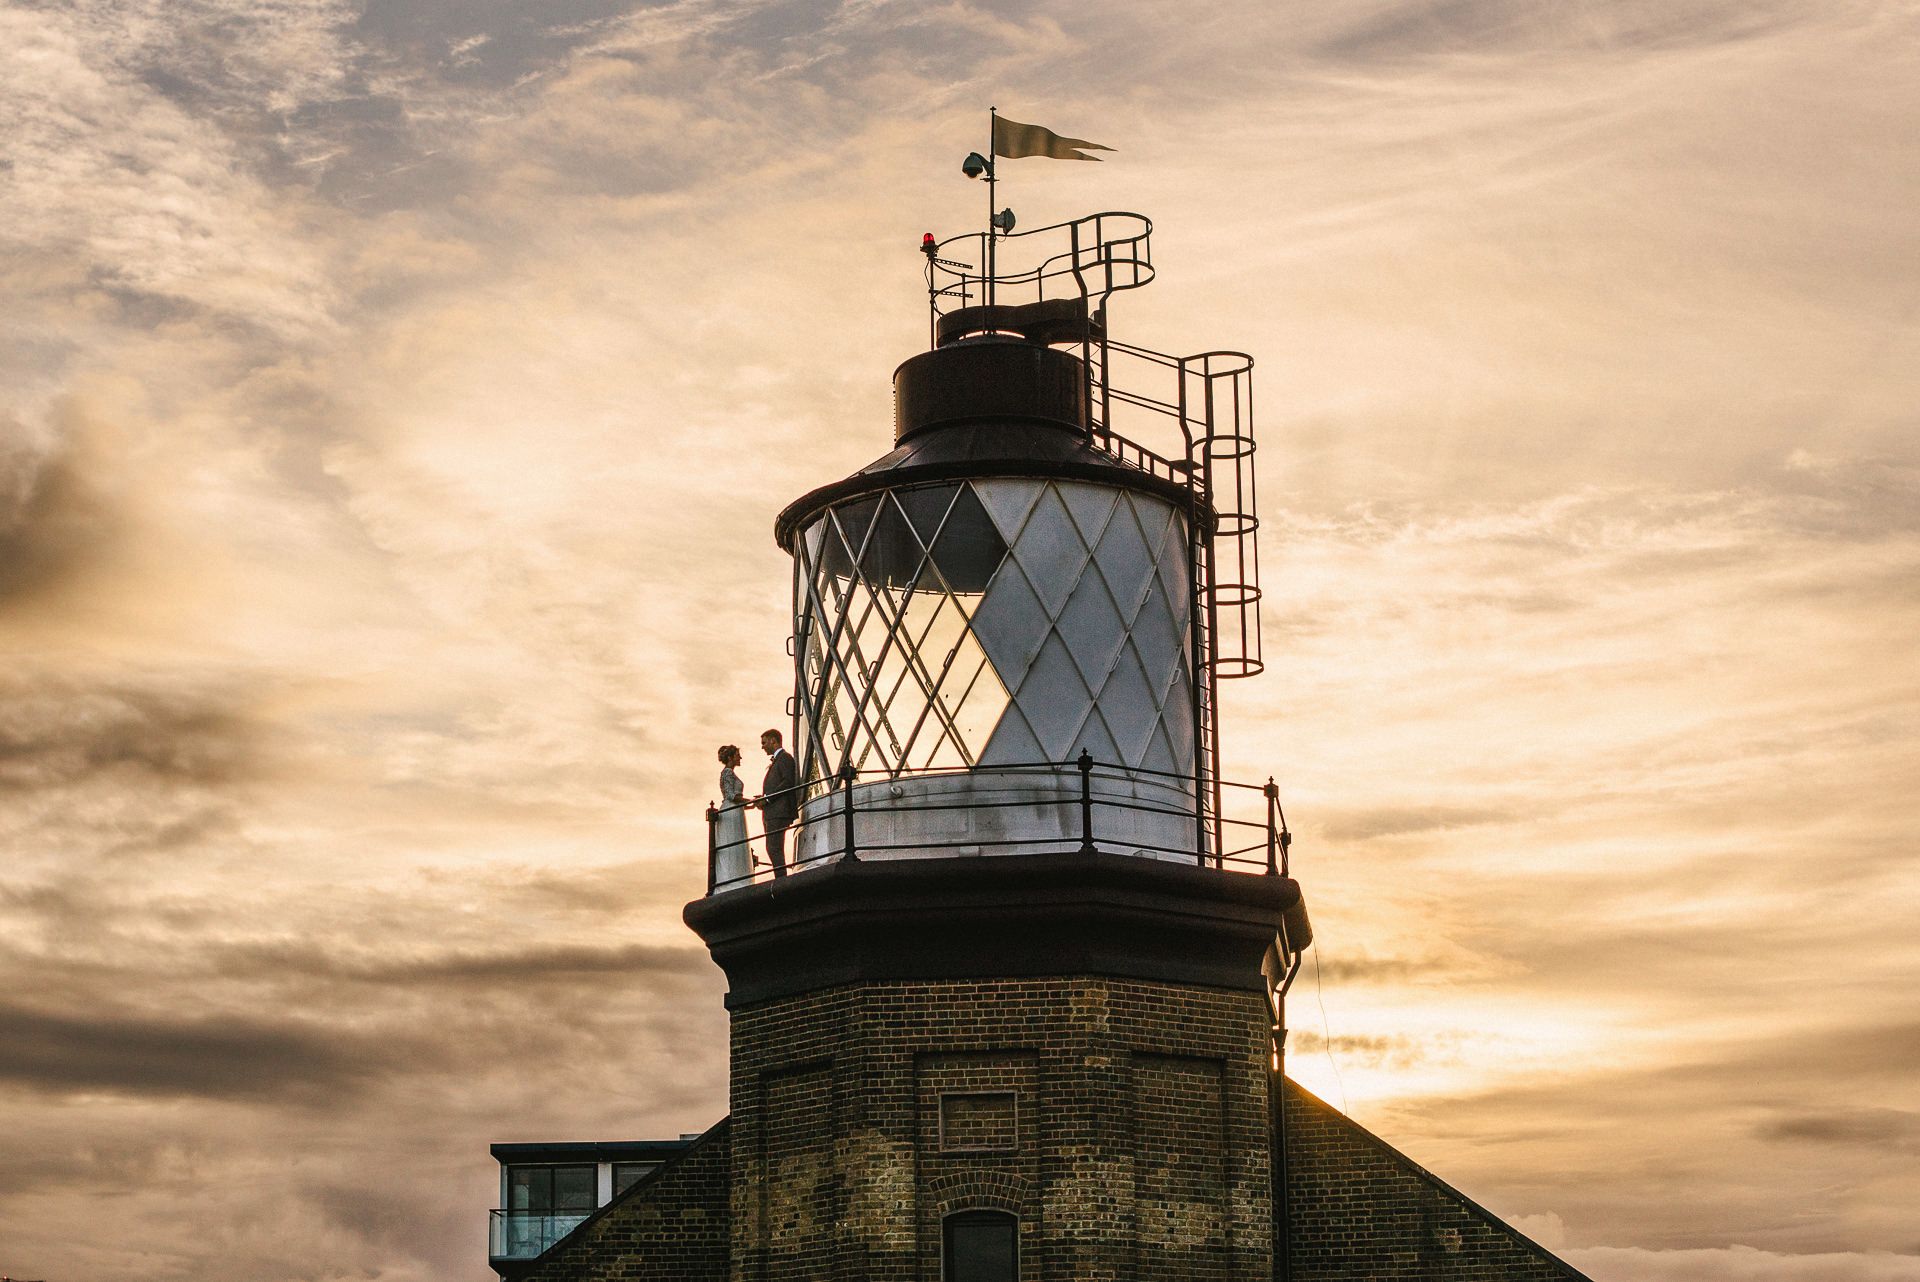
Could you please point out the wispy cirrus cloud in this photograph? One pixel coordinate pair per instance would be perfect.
(397, 397)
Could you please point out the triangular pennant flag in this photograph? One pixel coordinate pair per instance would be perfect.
(1014, 140)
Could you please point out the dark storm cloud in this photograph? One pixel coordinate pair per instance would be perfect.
(53, 518)
(56, 732)
(223, 1057)
(1888, 1129)
(498, 972)
(1388, 1051)
(1380, 970)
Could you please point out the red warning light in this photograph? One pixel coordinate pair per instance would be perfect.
(927, 246)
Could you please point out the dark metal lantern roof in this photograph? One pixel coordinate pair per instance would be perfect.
(991, 405)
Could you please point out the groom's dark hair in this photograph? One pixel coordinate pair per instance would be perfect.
(771, 734)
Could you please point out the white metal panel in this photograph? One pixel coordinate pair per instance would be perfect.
(1095, 737)
(1013, 741)
(1160, 645)
(1051, 550)
(1123, 554)
(1091, 507)
(1011, 623)
(1131, 706)
(1054, 699)
(1008, 500)
(1092, 628)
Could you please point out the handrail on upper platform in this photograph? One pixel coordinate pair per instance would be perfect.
(1266, 850)
(1086, 258)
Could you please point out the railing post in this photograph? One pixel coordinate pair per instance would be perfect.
(1273, 831)
(847, 776)
(1085, 762)
(713, 845)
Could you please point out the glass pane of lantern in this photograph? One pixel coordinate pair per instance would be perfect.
(926, 509)
(893, 553)
(969, 549)
(851, 522)
(974, 697)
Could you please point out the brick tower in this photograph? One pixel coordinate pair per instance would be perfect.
(1010, 1003)
(1010, 1010)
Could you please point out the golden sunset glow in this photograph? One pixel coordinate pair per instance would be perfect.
(396, 398)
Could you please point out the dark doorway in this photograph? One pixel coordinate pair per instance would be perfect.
(982, 1246)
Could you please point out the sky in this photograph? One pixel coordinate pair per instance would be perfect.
(396, 397)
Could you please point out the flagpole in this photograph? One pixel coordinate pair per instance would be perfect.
(993, 132)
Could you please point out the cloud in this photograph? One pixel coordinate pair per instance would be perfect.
(1886, 1129)
(55, 734)
(397, 396)
(52, 515)
(210, 1058)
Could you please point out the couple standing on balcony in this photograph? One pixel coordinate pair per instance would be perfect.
(779, 802)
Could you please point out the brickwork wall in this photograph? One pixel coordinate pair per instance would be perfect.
(1139, 1146)
(1180, 1188)
(1127, 1156)
(1361, 1211)
(670, 1227)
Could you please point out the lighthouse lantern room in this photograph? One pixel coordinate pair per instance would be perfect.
(1009, 630)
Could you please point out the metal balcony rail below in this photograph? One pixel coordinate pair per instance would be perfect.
(1241, 845)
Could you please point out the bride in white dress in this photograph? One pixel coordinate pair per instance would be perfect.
(732, 858)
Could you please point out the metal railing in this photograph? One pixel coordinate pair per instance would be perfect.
(521, 1235)
(1240, 844)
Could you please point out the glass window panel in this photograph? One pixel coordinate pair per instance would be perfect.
(1177, 716)
(977, 698)
(893, 553)
(946, 754)
(982, 1246)
(1160, 754)
(969, 549)
(574, 1188)
(529, 1188)
(926, 509)
(1054, 700)
(1162, 646)
(1170, 562)
(1095, 738)
(852, 522)
(627, 1174)
(945, 631)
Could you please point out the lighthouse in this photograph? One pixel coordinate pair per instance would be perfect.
(1011, 1005)
(1009, 1009)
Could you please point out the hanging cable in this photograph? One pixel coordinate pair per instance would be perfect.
(1326, 1031)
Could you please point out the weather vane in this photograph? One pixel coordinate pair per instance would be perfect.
(1014, 141)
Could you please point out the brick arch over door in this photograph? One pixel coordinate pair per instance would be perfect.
(978, 1191)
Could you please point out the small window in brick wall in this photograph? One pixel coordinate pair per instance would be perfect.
(979, 1122)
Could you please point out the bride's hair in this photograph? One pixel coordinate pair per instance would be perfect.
(728, 753)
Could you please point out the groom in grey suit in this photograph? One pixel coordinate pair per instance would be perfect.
(779, 803)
